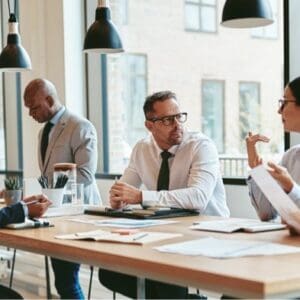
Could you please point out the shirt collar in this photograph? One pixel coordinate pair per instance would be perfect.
(58, 115)
(158, 150)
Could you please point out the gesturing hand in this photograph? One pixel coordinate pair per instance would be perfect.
(253, 158)
(282, 176)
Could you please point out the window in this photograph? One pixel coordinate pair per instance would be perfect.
(201, 15)
(163, 57)
(120, 10)
(270, 31)
(250, 111)
(126, 96)
(213, 111)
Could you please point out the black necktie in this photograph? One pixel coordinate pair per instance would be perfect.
(163, 176)
(45, 139)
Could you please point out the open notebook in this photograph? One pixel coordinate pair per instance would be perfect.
(234, 225)
(138, 238)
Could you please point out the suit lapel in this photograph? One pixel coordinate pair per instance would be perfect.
(57, 130)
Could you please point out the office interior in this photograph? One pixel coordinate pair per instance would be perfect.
(53, 31)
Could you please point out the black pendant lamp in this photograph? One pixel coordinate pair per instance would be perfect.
(247, 13)
(102, 36)
(14, 57)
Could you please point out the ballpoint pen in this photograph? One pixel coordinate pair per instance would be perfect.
(31, 202)
(140, 236)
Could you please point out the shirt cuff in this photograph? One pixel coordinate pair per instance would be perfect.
(294, 194)
(149, 198)
(25, 208)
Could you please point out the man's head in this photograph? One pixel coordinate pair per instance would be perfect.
(164, 119)
(40, 97)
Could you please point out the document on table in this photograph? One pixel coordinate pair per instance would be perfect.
(274, 193)
(138, 238)
(123, 223)
(233, 225)
(224, 248)
(64, 210)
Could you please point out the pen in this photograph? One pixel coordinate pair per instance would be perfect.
(31, 202)
(140, 236)
(116, 179)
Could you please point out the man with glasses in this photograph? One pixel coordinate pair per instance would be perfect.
(178, 169)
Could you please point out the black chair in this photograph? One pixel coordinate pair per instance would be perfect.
(7, 293)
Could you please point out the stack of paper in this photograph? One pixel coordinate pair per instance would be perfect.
(221, 248)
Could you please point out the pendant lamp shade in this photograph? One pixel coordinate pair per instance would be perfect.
(103, 36)
(14, 57)
(247, 13)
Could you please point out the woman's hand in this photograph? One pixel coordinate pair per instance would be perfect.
(282, 176)
(253, 158)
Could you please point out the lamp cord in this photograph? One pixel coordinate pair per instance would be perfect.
(15, 5)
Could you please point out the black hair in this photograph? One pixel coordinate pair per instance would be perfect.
(294, 85)
(159, 96)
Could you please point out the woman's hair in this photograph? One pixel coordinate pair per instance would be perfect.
(294, 85)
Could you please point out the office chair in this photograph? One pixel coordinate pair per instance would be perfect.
(8, 293)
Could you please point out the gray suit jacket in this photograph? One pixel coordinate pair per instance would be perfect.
(73, 140)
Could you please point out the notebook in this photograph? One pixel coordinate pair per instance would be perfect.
(149, 213)
(234, 225)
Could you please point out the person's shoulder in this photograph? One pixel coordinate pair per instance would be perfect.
(72, 118)
(294, 150)
(196, 138)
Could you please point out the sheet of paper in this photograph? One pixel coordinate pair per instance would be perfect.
(232, 225)
(64, 210)
(273, 192)
(224, 248)
(124, 223)
(140, 238)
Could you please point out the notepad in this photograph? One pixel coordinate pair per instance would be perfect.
(234, 225)
(139, 238)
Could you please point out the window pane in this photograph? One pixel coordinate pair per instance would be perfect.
(249, 109)
(192, 20)
(213, 111)
(208, 19)
(209, 2)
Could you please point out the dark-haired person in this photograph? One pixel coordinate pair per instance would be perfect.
(194, 180)
(287, 172)
(34, 207)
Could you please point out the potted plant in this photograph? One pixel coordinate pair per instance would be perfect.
(13, 191)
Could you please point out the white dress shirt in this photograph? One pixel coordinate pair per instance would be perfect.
(264, 209)
(195, 177)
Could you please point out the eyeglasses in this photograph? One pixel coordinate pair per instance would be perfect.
(283, 102)
(169, 120)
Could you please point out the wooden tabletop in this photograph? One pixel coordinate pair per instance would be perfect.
(252, 277)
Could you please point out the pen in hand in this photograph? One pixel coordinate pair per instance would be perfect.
(31, 202)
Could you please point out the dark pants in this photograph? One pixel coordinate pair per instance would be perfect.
(127, 285)
(7, 293)
(66, 279)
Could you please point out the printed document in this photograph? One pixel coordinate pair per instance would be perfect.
(123, 223)
(274, 193)
(233, 225)
(225, 248)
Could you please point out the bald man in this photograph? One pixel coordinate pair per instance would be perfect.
(70, 139)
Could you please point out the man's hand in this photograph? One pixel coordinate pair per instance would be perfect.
(282, 176)
(39, 205)
(122, 194)
(253, 158)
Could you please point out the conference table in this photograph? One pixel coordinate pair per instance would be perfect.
(244, 277)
